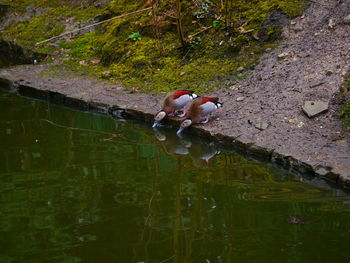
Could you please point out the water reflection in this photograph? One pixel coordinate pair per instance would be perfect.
(200, 151)
(77, 187)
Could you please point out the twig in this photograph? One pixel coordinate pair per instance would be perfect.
(179, 23)
(95, 24)
(203, 30)
(79, 129)
(195, 2)
(155, 5)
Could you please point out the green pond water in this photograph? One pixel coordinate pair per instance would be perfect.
(79, 187)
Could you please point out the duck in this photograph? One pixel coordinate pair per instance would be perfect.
(174, 103)
(201, 152)
(199, 111)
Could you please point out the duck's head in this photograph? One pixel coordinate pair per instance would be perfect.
(184, 124)
(193, 95)
(158, 117)
(218, 104)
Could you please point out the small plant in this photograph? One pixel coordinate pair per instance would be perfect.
(135, 36)
(216, 23)
(203, 10)
(196, 41)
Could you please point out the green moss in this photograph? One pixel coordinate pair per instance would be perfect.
(50, 23)
(35, 30)
(209, 60)
(203, 66)
(82, 47)
(21, 5)
(292, 8)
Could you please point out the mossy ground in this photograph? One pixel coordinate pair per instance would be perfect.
(220, 46)
(48, 24)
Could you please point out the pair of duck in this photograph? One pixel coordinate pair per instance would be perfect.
(175, 105)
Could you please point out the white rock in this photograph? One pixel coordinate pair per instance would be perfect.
(331, 23)
(283, 55)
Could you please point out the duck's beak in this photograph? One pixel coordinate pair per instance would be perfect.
(155, 124)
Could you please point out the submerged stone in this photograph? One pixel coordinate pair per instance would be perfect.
(314, 108)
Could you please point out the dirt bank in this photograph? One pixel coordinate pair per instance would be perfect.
(309, 65)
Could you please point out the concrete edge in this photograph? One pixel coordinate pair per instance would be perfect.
(285, 160)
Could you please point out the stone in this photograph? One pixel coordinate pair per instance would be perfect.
(331, 23)
(298, 28)
(4, 6)
(261, 126)
(282, 55)
(329, 72)
(347, 19)
(300, 124)
(314, 108)
(240, 69)
(240, 98)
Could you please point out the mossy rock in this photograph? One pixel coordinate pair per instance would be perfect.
(12, 54)
(4, 6)
(3, 9)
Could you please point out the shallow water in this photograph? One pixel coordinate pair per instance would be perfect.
(79, 187)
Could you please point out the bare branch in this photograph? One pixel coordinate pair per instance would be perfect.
(95, 24)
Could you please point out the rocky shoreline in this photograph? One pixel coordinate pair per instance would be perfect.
(94, 96)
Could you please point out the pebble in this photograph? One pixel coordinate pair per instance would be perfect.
(282, 55)
(261, 126)
(347, 19)
(240, 98)
(331, 23)
(300, 124)
(240, 69)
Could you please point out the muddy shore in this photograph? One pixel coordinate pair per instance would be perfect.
(308, 65)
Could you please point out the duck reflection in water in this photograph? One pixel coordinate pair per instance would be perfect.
(201, 152)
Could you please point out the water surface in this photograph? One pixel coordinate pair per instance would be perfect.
(79, 187)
